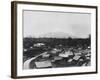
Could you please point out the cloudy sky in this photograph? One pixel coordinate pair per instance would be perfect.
(37, 23)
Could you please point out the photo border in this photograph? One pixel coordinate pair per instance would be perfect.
(14, 37)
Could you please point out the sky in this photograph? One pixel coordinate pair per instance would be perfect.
(37, 23)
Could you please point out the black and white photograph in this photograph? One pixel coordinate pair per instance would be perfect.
(56, 39)
(53, 39)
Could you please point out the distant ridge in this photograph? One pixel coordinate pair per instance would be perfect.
(56, 35)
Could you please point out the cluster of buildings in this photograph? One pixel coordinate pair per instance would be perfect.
(62, 58)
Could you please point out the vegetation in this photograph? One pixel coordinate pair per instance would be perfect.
(50, 43)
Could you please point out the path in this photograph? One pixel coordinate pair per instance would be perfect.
(27, 62)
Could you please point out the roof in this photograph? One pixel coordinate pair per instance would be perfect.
(76, 57)
(57, 58)
(43, 64)
(66, 54)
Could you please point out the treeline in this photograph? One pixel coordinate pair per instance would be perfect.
(52, 42)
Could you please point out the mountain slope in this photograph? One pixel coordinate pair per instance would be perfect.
(57, 35)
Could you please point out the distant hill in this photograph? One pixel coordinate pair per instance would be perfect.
(57, 35)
